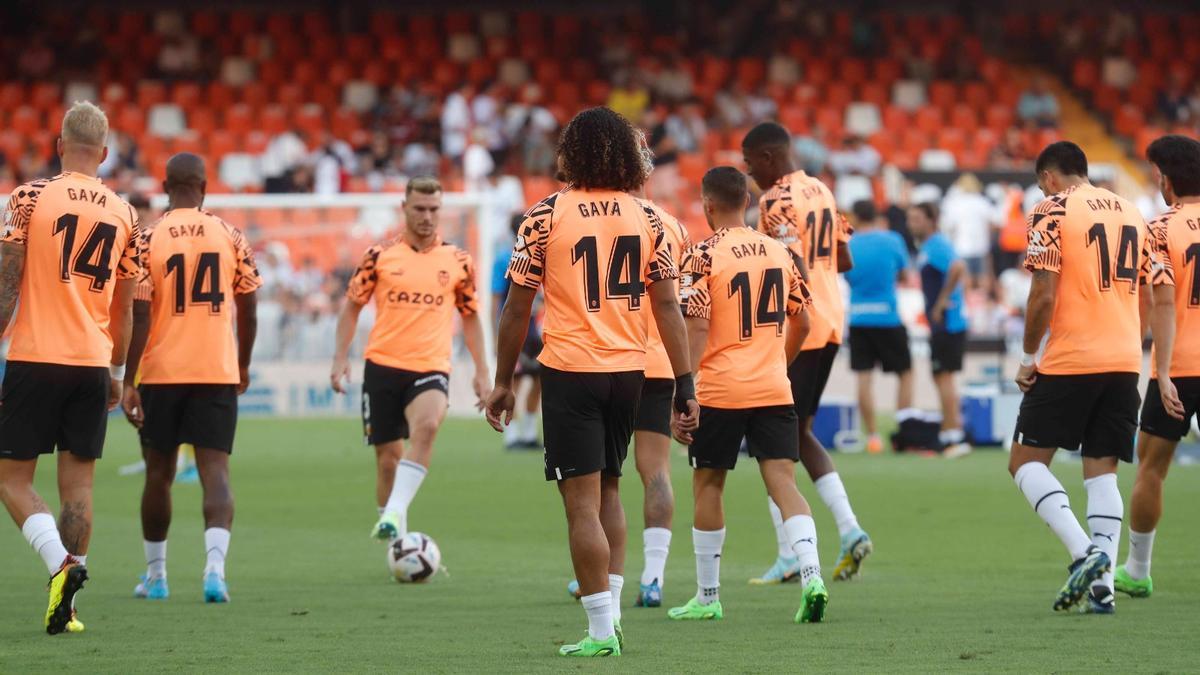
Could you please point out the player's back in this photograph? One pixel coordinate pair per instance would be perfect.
(194, 265)
(79, 238)
(1178, 235)
(745, 283)
(1097, 242)
(658, 364)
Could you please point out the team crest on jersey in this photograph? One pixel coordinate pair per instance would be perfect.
(443, 277)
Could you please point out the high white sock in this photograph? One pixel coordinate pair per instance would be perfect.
(708, 545)
(656, 542)
(81, 559)
(41, 532)
(781, 539)
(599, 613)
(1105, 512)
(156, 558)
(1048, 499)
(833, 493)
(408, 480)
(216, 543)
(1140, 546)
(615, 583)
(802, 533)
(951, 436)
(527, 427)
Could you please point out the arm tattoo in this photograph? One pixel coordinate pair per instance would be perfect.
(12, 267)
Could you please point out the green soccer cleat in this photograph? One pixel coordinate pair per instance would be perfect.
(813, 602)
(785, 570)
(65, 583)
(387, 529)
(1134, 588)
(694, 611)
(619, 633)
(589, 647)
(1083, 572)
(856, 546)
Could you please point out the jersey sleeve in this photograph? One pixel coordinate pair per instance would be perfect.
(145, 287)
(15, 228)
(777, 214)
(694, 298)
(130, 264)
(528, 263)
(465, 297)
(245, 277)
(661, 264)
(799, 297)
(362, 283)
(1157, 268)
(1044, 232)
(901, 251)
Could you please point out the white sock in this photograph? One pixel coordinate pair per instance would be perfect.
(528, 427)
(833, 493)
(156, 558)
(599, 613)
(781, 538)
(708, 545)
(1105, 512)
(1048, 499)
(951, 436)
(81, 559)
(615, 583)
(802, 533)
(216, 543)
(41, 532)
(409, 476)
(656, 542)
(1138, 561)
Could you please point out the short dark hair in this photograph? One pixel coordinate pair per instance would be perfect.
(139, 200)
(930, 210)
(864, 210)
(426, 185)
(1178, 158)
(766, 134)
(1065, 157)
(725, 186)
(600, 149)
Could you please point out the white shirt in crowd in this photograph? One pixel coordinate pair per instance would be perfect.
(456, 121)
(967, 219)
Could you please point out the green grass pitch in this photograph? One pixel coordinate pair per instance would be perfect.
(962, 578)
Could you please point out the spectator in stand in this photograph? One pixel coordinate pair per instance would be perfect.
(377, 159)
(856, 157)
(664, 183)
(1011, 152)
(629, 95)
(456, 122)
(32, 163)
(761, 106)
(673, 84)
(686, 127)
(285, 152)
(331, 161)
(732, 108)
(486, 115)
(122, 157)
(533, 129)
(477, 162)
(811, 152)
(1194, 105)
(1174, 104)
(179, 57)
(420, 159)
(1038, 105)
(967, 218)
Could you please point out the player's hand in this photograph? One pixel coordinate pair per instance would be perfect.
(131, 403)
(339, 376)
(115, 387)
(483, 388)
(1026, 376)
(1170, 398)
(499, 407)
(243, 381)
(937, 313)
(682, 425)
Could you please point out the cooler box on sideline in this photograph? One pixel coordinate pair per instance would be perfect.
(836, 424)
(989, 414)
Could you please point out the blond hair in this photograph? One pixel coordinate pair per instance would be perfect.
(85, 124)
(426, 185)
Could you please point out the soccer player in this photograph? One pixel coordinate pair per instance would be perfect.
(69, 251)
(417, 281)
(746, 311)
(1176, 162)
(522, 435)
(1088, 251)
(877, 335)
(942, 273)
(594, 251)
(800, 212)
(198, 287)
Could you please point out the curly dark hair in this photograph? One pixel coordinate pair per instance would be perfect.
(600, 149)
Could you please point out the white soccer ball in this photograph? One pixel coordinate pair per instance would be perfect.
(414, 558)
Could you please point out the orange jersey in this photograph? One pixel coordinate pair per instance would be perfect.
(78, 235)
(1177, 238)
(593, 252)
(745, 284)
(416, 294)
(1098, 244)
(193, 265)
(800, 212)
(658, 364)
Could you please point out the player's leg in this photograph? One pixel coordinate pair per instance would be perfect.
(30, 512)
(590, 558)
(612, 520)
(624, 392)
(904, 390)
(866, 408)
(652, 452)
(387, 458)
(946, 357)
(161, 467)
(527, 425)
(423, 417)
(76, 476)
(864, 357)
(898, 359)
(213, 465)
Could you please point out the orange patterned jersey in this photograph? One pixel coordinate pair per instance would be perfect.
(193, 265)
(658, 364)
(1098, 244)
(800, 212)
(745, 284)
(1177, 238)
(79, 238)
(416, 294)
(593, 252)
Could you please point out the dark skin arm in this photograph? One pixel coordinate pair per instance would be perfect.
(131, 400)
(798, 326)
(1043, 295)
(1162, 327)
(12, 268)
(247, 330)
(664, 299)
(845, 261)
(514, 323)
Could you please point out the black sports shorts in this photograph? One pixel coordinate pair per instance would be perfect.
(386, 394)
(44, 406)
(204, 415)
(771, 432)
(809, 374)
(1097, 411)
(1157, 422)
(872, 347)
(654, 409)
(587, 420)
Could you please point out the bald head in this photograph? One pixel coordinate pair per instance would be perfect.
(186, 180)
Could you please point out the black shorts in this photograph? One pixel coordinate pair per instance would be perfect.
(47, 405)
(527, 361)
(1156, 421)
(1097, 411)
(871, 347)
(387, 393)
(809, 374)
(946, 352)
(204, 415)
(771, 432)
(587, 420)
(654, 408)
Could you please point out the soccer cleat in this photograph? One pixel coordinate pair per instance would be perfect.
(650, 595)
(856, 546)
(387, 529)
(956, 450)
(694, 611)
(573, 589)
(1100, 600)
(152, 589)
(189, 474)
(1135, 588)
(619, 633)
(65, 583)
(75, 625)
(589, 647)
(215, 589)
(784, 570)
(1083, 572)
(874, 445)
(813, 602)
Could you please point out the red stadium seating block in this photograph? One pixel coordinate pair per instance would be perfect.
(239, 119)
(290, 94)
(929, 119)
(963, 116)
(12, 95)
(186, 95)
(25, 120)
(273, 120)
(999, 117)
(151, 93)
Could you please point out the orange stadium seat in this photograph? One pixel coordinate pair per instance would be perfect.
(255, 95)
(12, 95)
(219, 96)
(838, 94)
(852, 71)
(887, 71)
(12, 144)
(273, 119)
(46, 95)
(976, 95)
(1128, 120)
(310, 119)
(255, 142)
(25, 120)
(929, 119)
(999, 117)
(271, 72)
(131, 120)
(151, 92)
(896, 119)
(186, 95)
(238, 118)
(221, 143)
(963, 116)
(943, 94)
(874, 92)
(290, 94)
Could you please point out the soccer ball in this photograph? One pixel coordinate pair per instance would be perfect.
(415, 557)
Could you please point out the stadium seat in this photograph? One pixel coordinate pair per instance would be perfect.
(220, 143)
(999, 117)
(936, 160)
(862, 119)
(273, 119)
(963, 116)
(908, 94)
(929, 119)
(186, 95)
(79, 91)
(166, 120)
(25, 120)
(360, 96)
(219, 96)
(240, 170)
(151, 93)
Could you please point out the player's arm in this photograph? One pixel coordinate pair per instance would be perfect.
(514, 323)
(1043, 294)
(845, 261)
(954, 277)
(120, 327)
(346, 324)
(131, 400)
(247, 330)
(473, 337)
(1157, 279)
(12, 268)
(798, 326)
(664, 303)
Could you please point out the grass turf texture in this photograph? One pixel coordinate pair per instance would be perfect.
(962, 579)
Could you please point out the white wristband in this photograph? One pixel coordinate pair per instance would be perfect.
(1028, 360)
(116, 372)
